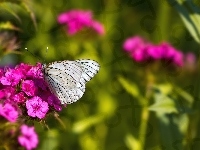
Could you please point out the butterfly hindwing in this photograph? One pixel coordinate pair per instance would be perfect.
(89, 67)
(66, 79)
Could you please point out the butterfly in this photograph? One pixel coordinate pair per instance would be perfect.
(66, 79)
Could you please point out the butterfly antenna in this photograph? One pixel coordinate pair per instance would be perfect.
(33, 54)
(46, 51)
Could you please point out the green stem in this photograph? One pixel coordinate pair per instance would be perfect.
(163, 21)
(145, 111)
(143, 126)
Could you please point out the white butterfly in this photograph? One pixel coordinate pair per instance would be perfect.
(67, 79)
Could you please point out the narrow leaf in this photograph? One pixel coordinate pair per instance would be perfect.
(8, 26)
(129, 86)
(163, 104)
(132, 143)
(189, 15)
(83, 125)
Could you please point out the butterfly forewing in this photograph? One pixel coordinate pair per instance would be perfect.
(66, 79)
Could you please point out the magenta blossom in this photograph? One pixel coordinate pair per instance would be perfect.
(9, 112)
(12, 77)
(19, 97)
(28, 138)
(55, 102)
(29, 87)
(134, 43)
(25, 84)
(35, 71)
(36, 107)
(142, 51)
(76, 20)
(190, 61)
(6, 92)
(24, 94)
(136, 46)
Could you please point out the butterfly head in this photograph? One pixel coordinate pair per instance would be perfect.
(43, 68)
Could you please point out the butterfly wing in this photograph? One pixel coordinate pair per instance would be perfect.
(66, 79)
(89, 67)
(62, 78)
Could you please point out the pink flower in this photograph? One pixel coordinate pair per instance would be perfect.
(1, 72)
(136, 46)
(98, 27)
(190, 62)
(24, 68)
(84, 17)
(55, 102)
(141, 51)
(190, 59)
(36, 107)
(168, 50)
(155, 51)
(76, 20)
(19, 97)
(29, 87)
(134, 43)
(28, 137)
(12, 77)
(9, 112)
(41, 84)
(35, 71)
(6, 92)
(139, 55)
(178, 58)
(21, 83)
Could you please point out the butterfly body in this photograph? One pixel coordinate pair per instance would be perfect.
(67, 79)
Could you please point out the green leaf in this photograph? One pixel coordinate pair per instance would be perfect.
(190, 16)
(32, 15)
(185, 95)
(165, 88)
(50, 141)
(169, 132)
(129, 86)
(83, 125)
(132, 143)
(163, 104)
(8, 26)
(10, 7)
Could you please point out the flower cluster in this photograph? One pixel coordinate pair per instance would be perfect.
(24, 86)
(142, 51)
(76, 20)
(24, 94)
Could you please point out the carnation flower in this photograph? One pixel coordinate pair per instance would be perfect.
(9, 112)
(141, 51)
(6, 92)
(29, 87)
(28, 137)
(55, 102)
(19, 97)
(36, 107)
(12, 77)
(23, 89)
(76, 20)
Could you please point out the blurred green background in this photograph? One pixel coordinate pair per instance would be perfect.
(116, 112)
